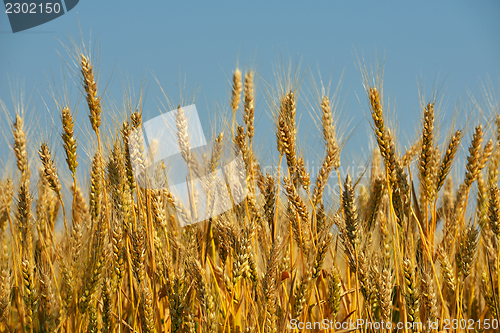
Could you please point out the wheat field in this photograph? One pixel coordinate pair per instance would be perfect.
(405, 244)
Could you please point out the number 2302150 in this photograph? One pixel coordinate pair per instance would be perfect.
(470, 324)
(32, 8)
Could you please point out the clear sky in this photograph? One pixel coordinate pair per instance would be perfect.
(448, 44)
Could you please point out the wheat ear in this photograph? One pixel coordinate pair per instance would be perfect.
(90, 86)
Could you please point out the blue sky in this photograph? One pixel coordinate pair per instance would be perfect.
(448, 44)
